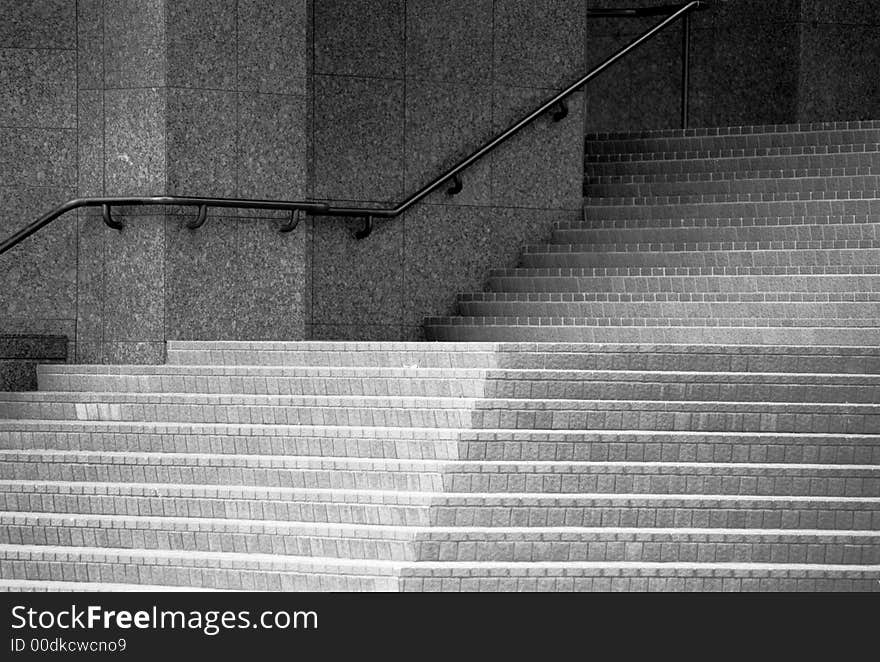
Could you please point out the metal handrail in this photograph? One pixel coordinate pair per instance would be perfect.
(555, 106)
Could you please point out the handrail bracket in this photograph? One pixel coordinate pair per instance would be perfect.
(108, 218)
(199, 220)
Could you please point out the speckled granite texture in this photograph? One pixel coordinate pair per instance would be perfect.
(354, 101)
(19, 354)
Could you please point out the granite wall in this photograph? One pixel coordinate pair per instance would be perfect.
(147, 97)
(403, 89)
(753, 62)
(38, 163)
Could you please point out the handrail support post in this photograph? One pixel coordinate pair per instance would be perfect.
(685, 69)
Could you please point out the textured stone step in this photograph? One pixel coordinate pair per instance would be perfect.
(273, 572)
(762, 312)
(642, 576)
(507, 383)
(560, 256)
(232, 470)
(734, 167)
(407, 411)
(254, 380)
(740, 223)
(855, 186)
(39, 586)
(611, 210)
(484, 413)
(522, 544)
(571, 544)
(572, 330)
(194, 569)
(428, 444)
(561, 281)
(799, 232)
(449, 476)
(754, 196)
(740, 141)
(782, 357)
(442, 509)
(702, 246)
(338, 354)
(246, 439)
(213, 535)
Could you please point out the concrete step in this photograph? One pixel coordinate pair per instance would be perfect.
(641, 577)
(446, 476)
(330, 353)
(235, 439)
(492, 413)
(702, 246)
(442, 509)
(609, 210)
(41, 586)
(406, 411)
(337, 541)
(260, 380)
(582, 281)
(428, 444)
(551, 256)
(216, 570)
(575, 305)
(284, 573)
(852, 186)
(733, 167)
(512, 383)
(736, 141)
(664, 220)
(807, 198)
(456, 544)
(580, 330)
(716, 233)
(782, 357)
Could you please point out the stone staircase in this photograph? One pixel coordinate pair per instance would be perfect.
(745, 235)
(682, 392)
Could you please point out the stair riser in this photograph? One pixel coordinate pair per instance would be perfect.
(829, 141)
(823, 515)
(690, 235)
(608, 447)
(128, 536)
(341, 444)
(119, 502)
(630, 480)
(192, 473)
(503, 331)
(190, 575)
(854, 185)
(674, 549)
(684, 286)
(774, 209)
(325, 386)
(701, 259)
(245, 414)
(694, 581)
(648, 387)
(837, 313)
(508, 548)
(786, 357)
(682, 417)
(801, 165)
(292, 358)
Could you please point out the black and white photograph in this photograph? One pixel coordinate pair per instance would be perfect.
(432, 296)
